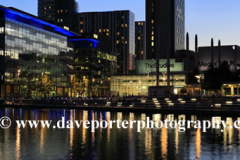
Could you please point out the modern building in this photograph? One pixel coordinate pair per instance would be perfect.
(138, 84)
(140, 40)
(60, 12)
(119, 27)
(95, 63)
(169, 17)
(30, 44)
(229, 53)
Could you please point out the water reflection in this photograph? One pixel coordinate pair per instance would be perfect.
(81, 143)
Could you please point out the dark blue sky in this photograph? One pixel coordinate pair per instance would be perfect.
(216, 19)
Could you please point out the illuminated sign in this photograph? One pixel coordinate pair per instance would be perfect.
(144, 66)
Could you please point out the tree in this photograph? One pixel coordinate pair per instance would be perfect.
(214, 77)
(77, 86)
(28, 84)
(44, 84)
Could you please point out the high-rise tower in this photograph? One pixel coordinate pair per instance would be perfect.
(169, 17)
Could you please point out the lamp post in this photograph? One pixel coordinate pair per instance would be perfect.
(148, 72)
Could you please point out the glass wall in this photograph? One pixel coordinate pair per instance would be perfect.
(35, 50)
(137, 85)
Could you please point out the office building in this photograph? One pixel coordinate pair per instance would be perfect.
(169, 17)
(140, 40)
(119, 27)
(60, 12)
(95, 63)
(29, 44)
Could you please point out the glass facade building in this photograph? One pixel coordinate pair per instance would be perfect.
(94, 64)
(138, 85)
(34, 46)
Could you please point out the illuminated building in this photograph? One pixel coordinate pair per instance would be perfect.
(94, 63)
(169, 16)
(60, 12)
(119, 27)
(30, 44)
(138, 83)
(140, 40)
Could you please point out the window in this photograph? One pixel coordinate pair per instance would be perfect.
(152, 21)
(81, 22)
(139, 38)
(49, 7)
(152, 44)
(100, 30)
(152, 32)
(125, 25)
(81, 31)
(152, 38)
(118, 33)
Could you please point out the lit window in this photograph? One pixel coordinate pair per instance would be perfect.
(125, 25)
(122, 37)
(152, 21)
(100, 30)
(141, 52)
(118, 33)
(103, 30)
(58, 11)
(152, 27)
(45, 8)
(139, 23)
(139, 38)
(122, 17)
(81, 30)
(122, 25)
(58, 20)
(66, 11)
(107, 34)
(107, 30)
(117, 41)
(152, 32)
(125, 42)
(81, 22)
(142, 23)
(1, 30)
(49, 7)
(152, 43)
(61, 11)
(152, 38)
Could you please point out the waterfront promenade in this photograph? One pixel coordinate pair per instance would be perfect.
(225, 105)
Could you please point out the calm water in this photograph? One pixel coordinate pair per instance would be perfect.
(43, 143)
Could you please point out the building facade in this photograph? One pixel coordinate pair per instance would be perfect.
(140, 40)
(60, 12)
(138, 84)
(94, 64)
(169, 17)
(29, 44)
(119, 27)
